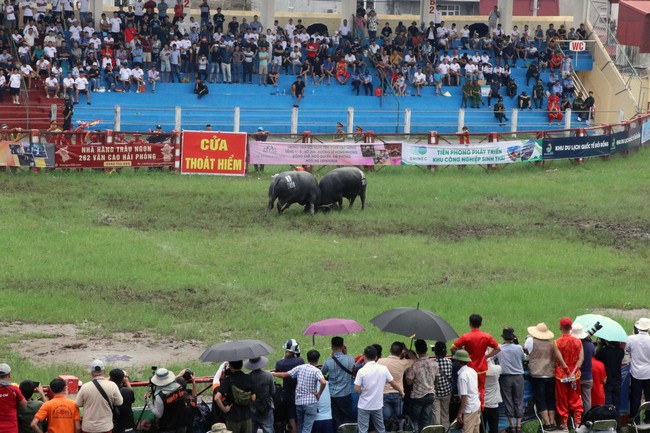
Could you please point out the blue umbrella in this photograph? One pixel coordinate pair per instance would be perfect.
(611, 330)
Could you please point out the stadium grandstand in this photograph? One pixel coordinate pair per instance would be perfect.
(393, 66)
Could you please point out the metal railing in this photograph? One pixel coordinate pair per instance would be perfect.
(598, 17)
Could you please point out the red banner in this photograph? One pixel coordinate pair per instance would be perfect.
(206, 152)
(149, 151)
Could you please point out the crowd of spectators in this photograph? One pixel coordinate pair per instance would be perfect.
(151, 42)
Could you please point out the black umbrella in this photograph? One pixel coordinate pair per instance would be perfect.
(415, 323)
(317, 27)
(236, 351)
(480, 28)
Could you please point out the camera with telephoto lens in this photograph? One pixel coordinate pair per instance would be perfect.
(188, 375)
(597, 327)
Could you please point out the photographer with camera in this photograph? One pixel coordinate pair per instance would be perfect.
(183, 378)
(123, 422)
(26, 414)
(167, 402)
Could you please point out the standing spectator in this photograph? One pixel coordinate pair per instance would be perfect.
(422, 376)
(227, 58)
(469, 412)
(262, 135)
(567, 376)
(611, 354)
(586, 377)
(324, 422)
(542, 355)
(205, 13)
(587, 109)
(168, 405)
(538, 94)
(98, 398)
(124, 422)
(26, 414)
(443, 383)
(263, 57)
(476, 341)
(10, 401)
(396, 363)
(15, 79)
(511, 359)
(61, 413)
(638, 347)
(369, 384)
(237, 388)
(310, 386)
(68, 111)
(291, 359)
(492, 397)
(493, 19)
(264, 390)
(340, 369)
(598, 388)
(298, 90)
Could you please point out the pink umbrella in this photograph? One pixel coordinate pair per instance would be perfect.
(332, 327)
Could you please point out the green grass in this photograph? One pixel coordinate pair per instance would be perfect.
(199, 257)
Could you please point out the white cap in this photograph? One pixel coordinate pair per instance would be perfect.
(4, 369)
(97, 365)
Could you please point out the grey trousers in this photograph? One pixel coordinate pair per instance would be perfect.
(585, 391)
(512, 392)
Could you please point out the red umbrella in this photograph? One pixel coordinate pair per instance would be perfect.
(332, 326)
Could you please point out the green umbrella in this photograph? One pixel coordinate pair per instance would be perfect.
(611, 330)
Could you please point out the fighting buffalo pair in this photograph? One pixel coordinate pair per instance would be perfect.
(301, 187)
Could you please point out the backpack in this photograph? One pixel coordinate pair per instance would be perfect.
(241, 397)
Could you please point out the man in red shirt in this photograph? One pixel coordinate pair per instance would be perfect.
(476, 342)
(312, 49)
(567, 376)
(10, 400)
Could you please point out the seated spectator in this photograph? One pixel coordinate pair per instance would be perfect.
(366, 80)
(355, 80)
(342, 74)
(298, 90)
(556, 61)
(568, 87)
(419, 80)
(495, 92)
(538, 94)
(511, 88)
(399, 85)
(500, 112)
(109, 79)
(81, 84)
(296, 59)
(553, 108)
(200, 88)
(137, 78)
(51, 87)
(124, 77)
(566, 104)
(152, 77)
(317, 71)
(524, 101)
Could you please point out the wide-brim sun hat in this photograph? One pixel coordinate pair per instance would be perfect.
(163, 377)
(256, 363)
(540, 331)
(578, 332)
(462, 355)
(643, 324)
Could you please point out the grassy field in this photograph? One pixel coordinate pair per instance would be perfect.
(199, 257)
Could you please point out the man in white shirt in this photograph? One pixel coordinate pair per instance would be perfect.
(28, 10)
(116, 25)
(369, 384)
(469, 412)
(82, 87)
(137, 77)
(289, 28)
(125, 78)
(68, 87)
(84, 8)
(153, 76)
(51, 87)
(345, 30)
(638, 346)
(419, 80)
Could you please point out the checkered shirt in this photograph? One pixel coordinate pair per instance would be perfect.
(308, 378)
(443, 381)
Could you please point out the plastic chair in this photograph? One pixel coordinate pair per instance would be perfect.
(350, 427)
(434, 429)
(603, 425)
(642, 425)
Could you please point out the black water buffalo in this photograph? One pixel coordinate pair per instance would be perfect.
(348, 182)
(294, 187)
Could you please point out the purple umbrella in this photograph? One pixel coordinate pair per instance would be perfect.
(332, 327)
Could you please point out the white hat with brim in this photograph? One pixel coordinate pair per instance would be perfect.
(4, 369)
(219, 428)
(578, 332)
(256, 363)
(163, 377)
(540, 331)
(643, 324)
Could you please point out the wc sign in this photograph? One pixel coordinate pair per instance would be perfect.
(578, 46)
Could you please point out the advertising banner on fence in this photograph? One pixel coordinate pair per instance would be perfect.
(576, 147)
(222, 153)
(135, 153)
(625, 140)
(502, 152)
(645, 131)
(20, 154)
(265, 152)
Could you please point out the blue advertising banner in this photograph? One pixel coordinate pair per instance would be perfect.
(575, 147)
(625, 140)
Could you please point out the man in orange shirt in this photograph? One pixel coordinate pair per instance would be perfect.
(476, 342)
(61, 413)
(567, 376)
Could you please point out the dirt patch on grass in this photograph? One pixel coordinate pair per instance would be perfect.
(618, 235)
(68, 344)
(632, 315)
